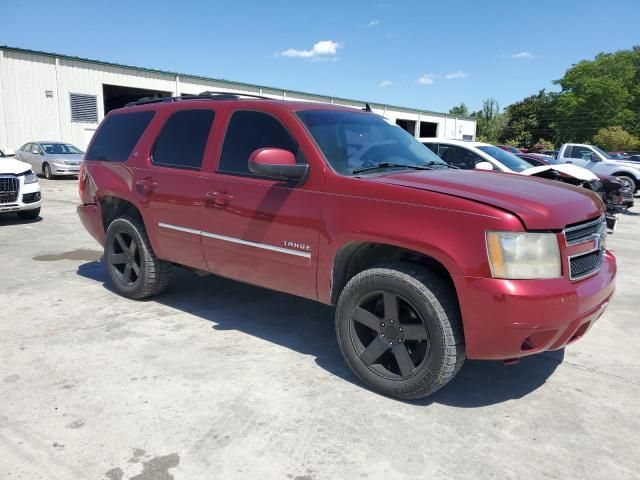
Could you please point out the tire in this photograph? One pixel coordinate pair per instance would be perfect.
(426, 307)
(29, 214)
(150, 277)
(629, 181)
(46, 171)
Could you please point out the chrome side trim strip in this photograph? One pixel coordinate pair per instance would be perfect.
(179, 228)
(264, 246)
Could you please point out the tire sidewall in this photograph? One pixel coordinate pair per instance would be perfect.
(46, 170)
(425, 305)
(631, 181)
(125, 225)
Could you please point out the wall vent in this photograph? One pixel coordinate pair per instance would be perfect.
(84, 108)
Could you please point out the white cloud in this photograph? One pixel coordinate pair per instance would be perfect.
(426, 79)
(373, 23)
(458, 74)
(386, 83)
(323, 48)
(526, 55)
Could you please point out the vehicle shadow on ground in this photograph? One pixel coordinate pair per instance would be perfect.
(307, 327)
(10, 218)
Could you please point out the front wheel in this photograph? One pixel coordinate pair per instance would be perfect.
(628, 183)
(399, 330)
(46, 171)
(133, 268)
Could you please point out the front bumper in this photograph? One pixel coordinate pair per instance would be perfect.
(29, 198)
(506, 319)
(62, 169)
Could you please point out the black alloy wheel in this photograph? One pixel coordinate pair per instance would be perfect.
(389, 335)
(124, 259)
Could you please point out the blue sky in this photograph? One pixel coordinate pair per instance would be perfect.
(425, 54)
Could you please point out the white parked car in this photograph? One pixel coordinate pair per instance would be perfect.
(484, 156)
(599, 161)
(19, 188)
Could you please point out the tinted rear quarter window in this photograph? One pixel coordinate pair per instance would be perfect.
(249, 131)
(115, 139)
(183, 139)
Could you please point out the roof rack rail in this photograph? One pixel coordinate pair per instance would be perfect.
(208, 95)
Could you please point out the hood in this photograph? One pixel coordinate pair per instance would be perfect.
(618, 163)
(568, 169)
(540, 204)
(12, 166)
(74, 157)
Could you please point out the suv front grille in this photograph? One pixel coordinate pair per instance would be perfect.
(9, 186)
(584, 232)
(587, 263)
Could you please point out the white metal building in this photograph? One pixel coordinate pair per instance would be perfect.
(58, 97)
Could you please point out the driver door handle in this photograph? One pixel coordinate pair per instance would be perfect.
(218, 199)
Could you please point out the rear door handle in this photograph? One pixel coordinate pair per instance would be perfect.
(147, 185)
(218, 199)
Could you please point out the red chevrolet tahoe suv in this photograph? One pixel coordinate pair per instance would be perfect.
(427, 265)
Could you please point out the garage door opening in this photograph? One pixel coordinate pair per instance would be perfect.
(408, 125)
(428, 129)
(116, 96)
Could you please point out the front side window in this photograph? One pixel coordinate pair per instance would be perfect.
(183, 139)
(460, 157)
(247, 132)
(118, 135)
(583, 153)
(603, 153)
(508, 159)
(60, 149)
(351, 141)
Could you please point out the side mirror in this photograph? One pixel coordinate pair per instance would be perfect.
(484, 166)
(276, 162)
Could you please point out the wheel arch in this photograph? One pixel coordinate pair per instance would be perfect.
(623, 173)
(112, 207)
(357, 256)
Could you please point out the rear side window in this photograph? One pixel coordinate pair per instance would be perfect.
(183, 138)
(118, 135)
(249, 131)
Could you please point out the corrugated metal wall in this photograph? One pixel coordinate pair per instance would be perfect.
(35, 105)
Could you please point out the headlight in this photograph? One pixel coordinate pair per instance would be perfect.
(30, 178)
(523, 255)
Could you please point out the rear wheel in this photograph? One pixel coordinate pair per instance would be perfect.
(29, 214)
(133, 268)
(46, 171)
(399, 330)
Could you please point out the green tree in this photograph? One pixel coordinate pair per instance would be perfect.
(597, 94)
(615, 138)
(529, 120)
(490, 122)
(461, 110)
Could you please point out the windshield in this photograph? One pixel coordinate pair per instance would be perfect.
(602, 152)
(508, 159)
(60, 148)
(354, 140)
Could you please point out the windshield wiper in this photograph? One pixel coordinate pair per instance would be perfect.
(442, 164)
(382, 165)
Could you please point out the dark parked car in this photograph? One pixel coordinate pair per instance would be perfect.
(614, 193)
